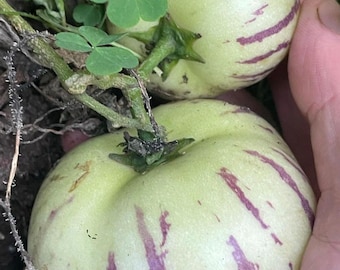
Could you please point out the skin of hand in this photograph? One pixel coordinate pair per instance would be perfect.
(310, 116)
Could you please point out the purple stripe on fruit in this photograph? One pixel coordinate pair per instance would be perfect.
(240, 258)
(155, 261)
(289, 181)
(231, 181)
(262, 57)
(111, 262)
(258, 37)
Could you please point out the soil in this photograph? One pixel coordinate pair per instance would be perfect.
(47, 113)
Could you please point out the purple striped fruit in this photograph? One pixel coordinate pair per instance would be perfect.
(241, 43)
(236, 199)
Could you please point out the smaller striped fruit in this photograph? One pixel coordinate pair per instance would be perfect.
(241, 42)
(236, 199)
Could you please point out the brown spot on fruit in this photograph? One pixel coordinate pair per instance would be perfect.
(85, 168)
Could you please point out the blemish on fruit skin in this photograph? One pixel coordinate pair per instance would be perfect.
(56, 177)
(231, 181)
(55, 212)
(155, 261)
(266, 129)
(257, 13)
(289, 181)
(242, 109)
(260, 10)
(270, 204)
(217, 218)
(91, 236)
(260, 36)
(276, 239)
(239, 109)
(240, 258)
(85, 168)
(111, 264)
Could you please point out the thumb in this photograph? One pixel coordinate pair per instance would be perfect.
(314, 74)
(329, 15)
(314, 60)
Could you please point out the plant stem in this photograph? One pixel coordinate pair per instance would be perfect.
(137, 95)
(116, 119)
(136, 102)
(164, 47)
(48, 57)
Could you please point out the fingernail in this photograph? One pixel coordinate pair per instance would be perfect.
(329, 15)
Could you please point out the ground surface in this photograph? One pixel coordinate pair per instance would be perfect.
(40, 148)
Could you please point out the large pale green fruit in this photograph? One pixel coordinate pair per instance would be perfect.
(242, 42)
(235, 199)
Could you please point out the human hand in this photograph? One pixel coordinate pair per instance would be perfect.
(314, 80)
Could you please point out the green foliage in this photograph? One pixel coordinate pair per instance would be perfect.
(109, 60)
(127, 13)
(72, 42)
(86, 14)
(103, 59)
(53, 9)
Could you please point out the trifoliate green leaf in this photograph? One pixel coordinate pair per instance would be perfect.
(108, 60)
(72, 42)
(86, 14)
(97, 37)
(127, 13)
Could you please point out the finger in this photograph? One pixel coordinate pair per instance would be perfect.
(314, 66)
(294, 126)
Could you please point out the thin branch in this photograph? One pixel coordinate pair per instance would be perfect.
(5, 204)
(16, 113)
(14, 166)
(17, 124)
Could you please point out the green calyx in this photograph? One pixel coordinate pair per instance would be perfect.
(145, 154)
(167, 44)
(169, 35)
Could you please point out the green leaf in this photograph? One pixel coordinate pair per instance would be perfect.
(99, 1)
(93, 35)
(51, 17)
(152, 10)
(72, 42)
(48, 4)
(108, 60)
(88, 14)
(55, 8)
(97, 37)
(127, 13)
(111, 38)
(61, 9)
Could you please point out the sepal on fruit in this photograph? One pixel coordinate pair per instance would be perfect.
(143, 155)
(167, 32)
